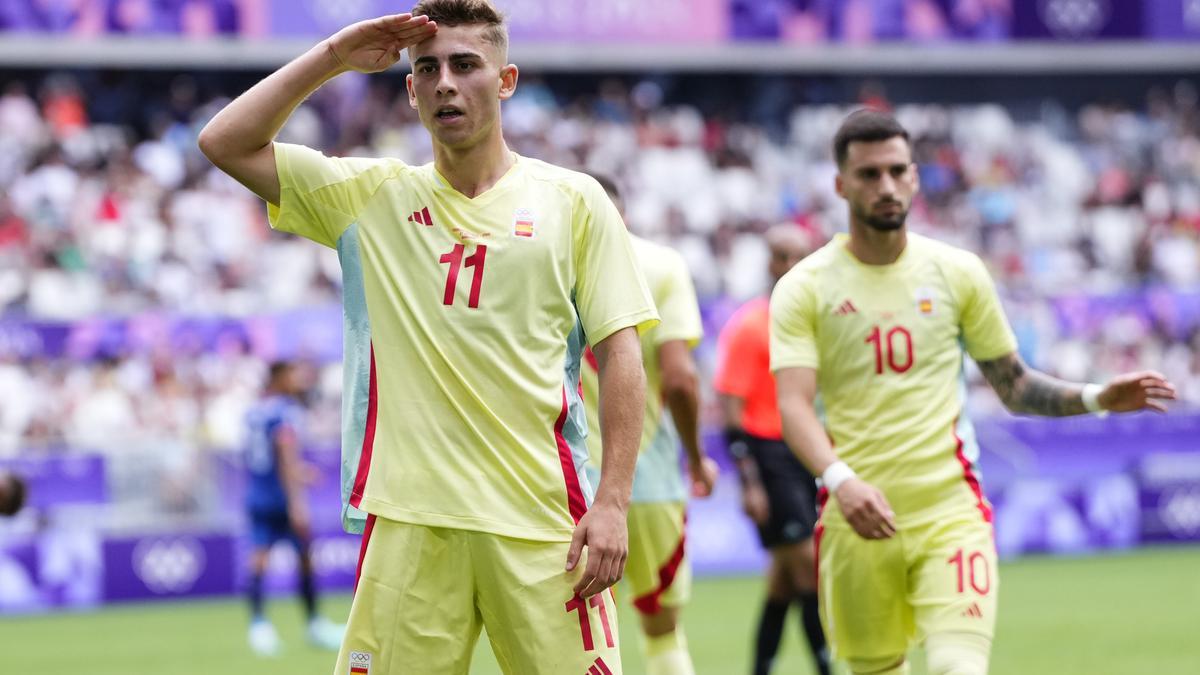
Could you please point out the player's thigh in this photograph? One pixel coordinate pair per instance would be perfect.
(955, 581)
(414, 609)
(536, 624)
(863, 595)
(657, 571)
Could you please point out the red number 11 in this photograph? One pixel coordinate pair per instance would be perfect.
(455, 258)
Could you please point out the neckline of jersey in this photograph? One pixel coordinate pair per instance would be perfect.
(487, 195)
(843, 240)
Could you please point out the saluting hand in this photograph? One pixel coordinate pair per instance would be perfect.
(866, 509)
(1145, 390)
(375, 44)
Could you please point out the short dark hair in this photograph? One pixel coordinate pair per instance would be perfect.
(278, 369)
(16, 496)
(865, 126)
(466, 13)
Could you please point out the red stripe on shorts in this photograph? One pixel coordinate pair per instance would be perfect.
(362, 548)
(969, 475)
(601, 667)
(822, 498)
(651, 603)
(364, 459)
(575, 501)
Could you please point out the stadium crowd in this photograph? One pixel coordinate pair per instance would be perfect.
(1089, 220)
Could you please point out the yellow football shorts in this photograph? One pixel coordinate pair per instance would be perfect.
(657, 570)
(879, 597)
(424, 593)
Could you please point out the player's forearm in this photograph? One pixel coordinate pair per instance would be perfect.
(732, 408)
(251, 121)
(1027, 391)
(622, 398)
(805, 435)
(683, 400)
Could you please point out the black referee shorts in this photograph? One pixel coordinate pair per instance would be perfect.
(791, 493)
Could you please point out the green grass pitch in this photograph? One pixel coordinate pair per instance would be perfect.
(1120, 614)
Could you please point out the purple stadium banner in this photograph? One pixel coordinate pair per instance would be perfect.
(616, 21)
(1066, 486)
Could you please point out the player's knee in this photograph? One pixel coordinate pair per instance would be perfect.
(661, 623)
(883, 665)
(957, 653)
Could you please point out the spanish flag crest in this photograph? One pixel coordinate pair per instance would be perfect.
(523, 223)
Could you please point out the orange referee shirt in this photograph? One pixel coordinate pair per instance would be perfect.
(744, 368)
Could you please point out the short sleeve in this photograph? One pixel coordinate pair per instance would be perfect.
(985, 330)
(321, 196)
(740, 348)
(677, 305)
(610, 290)
(793, 323)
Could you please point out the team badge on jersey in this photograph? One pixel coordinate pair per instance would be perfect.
(523, 223)
(360, 663)
(925, 301)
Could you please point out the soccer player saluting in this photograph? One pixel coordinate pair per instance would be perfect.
(658, 572)
(471, 286)
(778, 493)
(877, 323)
(277, 504)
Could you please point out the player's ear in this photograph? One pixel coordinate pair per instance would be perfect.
(508, 81)
(838, 185)
(916, 177)
(412, 94)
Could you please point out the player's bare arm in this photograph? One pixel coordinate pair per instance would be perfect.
(291, 472)
(238, 140)
(681, 392)
(865, 507)
(602, 529)
(1024, 390)
(754, 495)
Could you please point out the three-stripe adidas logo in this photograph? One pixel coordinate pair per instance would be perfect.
(599, 668)
(845, 308)
(973, 611)
(422, 217)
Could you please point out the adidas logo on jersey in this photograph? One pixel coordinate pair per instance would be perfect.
(422, 217)
(846, 307)
(973, 611)
(599, 667)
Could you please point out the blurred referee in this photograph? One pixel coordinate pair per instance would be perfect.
(778, 493)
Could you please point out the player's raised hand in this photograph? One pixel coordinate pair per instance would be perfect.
(602, 530)
(375, 44)
(1145, 390)
(704, 477)
(866, 509)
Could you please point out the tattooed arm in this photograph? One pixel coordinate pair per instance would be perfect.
(1027, 391)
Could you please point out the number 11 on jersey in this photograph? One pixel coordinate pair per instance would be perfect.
(455, 258)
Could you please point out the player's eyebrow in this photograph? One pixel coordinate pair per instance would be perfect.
(457, 56)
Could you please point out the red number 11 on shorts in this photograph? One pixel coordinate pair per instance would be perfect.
(577, 604)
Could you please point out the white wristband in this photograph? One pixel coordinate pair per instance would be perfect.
(1091, 399)
(836, 474)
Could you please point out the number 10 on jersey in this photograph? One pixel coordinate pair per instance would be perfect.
(893, 349)
(456, 261)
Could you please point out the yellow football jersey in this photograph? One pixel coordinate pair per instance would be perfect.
(887, 342)
(465, 322)
(657, 478)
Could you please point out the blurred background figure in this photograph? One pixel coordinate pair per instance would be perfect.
(277, 503)
(778, 493)
(12, 493)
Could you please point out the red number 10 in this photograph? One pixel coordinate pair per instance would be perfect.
(969, 571)
(888, 344)
(455, 258)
